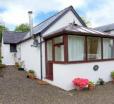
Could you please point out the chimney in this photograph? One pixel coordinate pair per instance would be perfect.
(30, 22)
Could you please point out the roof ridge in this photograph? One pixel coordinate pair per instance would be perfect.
(105, 25)
(15, 31)
(54, 15)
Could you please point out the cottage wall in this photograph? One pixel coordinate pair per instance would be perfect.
(8, 57)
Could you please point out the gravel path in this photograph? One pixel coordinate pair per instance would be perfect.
(15, 88)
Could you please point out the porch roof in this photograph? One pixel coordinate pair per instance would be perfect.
(76, 29)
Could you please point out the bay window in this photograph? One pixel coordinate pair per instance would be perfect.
(75, 48)
(93, 48)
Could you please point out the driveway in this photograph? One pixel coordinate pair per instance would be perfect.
(15, 88)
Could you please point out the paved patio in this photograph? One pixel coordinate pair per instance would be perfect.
(15, 88)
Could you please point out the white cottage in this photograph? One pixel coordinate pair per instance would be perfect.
(67, 49)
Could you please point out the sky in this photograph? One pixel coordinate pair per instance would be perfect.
(15, 12)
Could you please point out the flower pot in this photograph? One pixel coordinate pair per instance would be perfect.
(91, 87)
(31, 76)
(113, 79)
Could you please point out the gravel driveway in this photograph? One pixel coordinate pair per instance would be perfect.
(15, 88)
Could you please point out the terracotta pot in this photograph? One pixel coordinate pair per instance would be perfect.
(113, 80)
(31, 76)
(91, 87)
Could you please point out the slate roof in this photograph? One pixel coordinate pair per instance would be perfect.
(11, 37)
(43, 26)
(105, 28)
(76, 29)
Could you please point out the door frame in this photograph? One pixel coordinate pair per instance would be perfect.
(49, 64)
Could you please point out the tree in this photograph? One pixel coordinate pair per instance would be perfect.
(2, 28)
(88, 23)
(22, 28)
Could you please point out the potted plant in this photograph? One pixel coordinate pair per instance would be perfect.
(80, 83)
(21, 66)
(31, 74)
(91, 85)
(17, 65)
(100, 81)
(112, 75)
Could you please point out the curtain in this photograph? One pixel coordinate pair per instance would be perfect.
(49, 50)
(99, 49)
(94, 48)
(59, 53)
(75, 48)
(106, 48)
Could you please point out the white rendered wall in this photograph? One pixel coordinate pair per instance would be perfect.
(69, 17)
(8, 57)
(31, 57)
(64, 73)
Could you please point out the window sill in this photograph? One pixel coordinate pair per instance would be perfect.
(79, 62)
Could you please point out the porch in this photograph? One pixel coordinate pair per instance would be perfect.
(75, 51)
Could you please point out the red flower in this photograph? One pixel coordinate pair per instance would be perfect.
(80, 82)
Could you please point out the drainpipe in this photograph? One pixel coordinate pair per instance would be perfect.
(41, 72)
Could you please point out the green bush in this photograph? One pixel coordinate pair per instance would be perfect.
(2, 66)
(31, 71)
(1, 59)
(112, 74)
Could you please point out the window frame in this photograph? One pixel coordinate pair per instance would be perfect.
(84, 50)
(65, 43)
(13, 48)
(58, 44)
(103, 49)
(100, 49)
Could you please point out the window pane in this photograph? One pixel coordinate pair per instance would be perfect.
(108, 48)
(75, 48)
(58, 40)
(13, 48)
(59, 53)
(49, 50)
(94, 48)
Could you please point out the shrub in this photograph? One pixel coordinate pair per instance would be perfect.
(112, 74)
(100, 81)
(2, 66)
(17, 65)
(31, 71)
(80, 83)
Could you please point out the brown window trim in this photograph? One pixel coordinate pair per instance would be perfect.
(65, 43)
(82, 62)
(58, 44)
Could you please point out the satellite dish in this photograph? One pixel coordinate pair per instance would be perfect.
(35, 42)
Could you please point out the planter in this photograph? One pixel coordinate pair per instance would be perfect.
(113, 80)
(21, 69)
(31, 76)
(90, 87)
